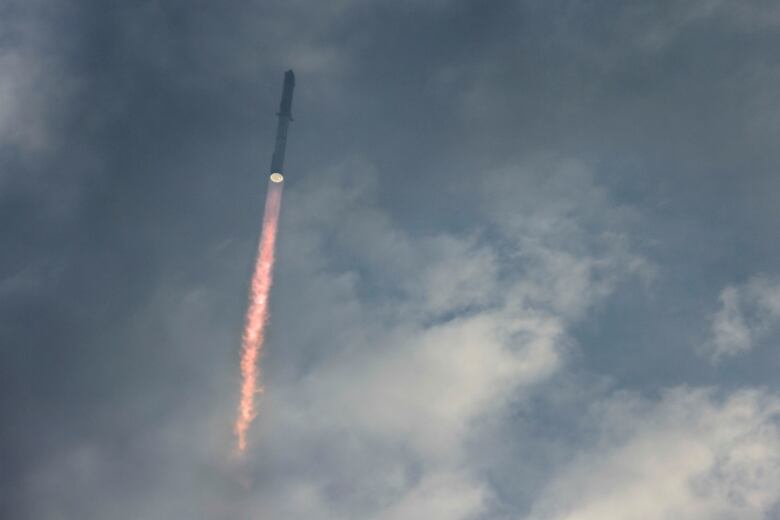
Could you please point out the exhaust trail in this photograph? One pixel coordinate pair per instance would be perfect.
(257, 313)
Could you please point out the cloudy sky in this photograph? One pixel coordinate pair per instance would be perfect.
(528, 266)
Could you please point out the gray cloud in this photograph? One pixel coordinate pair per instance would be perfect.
(689, 455)
(747, 314)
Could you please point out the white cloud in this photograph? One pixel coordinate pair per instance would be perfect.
(392, 354)
(425, 387)
(568, 239)
(689, 456)
(441, 496)
(427, 342)
(747, 313)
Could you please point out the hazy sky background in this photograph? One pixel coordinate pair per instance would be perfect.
(527, 270)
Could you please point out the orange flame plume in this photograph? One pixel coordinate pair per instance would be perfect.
(257, 315)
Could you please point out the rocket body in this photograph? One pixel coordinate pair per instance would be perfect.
(285, 116)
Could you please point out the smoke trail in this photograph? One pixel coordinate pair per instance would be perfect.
(257, 314)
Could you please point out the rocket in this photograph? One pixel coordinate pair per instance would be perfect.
(260, 289)
(285, 116)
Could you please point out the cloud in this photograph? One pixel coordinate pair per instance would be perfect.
(35, 84)
(436, 275)
(426, 388)
(568, 240)
(399, 383)
(441, 496)
(747, 314)
(392, 352)
(43, 164)
(690, 455)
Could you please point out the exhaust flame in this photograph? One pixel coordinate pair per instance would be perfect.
(257, 315)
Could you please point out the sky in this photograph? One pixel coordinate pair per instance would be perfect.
(527, 266)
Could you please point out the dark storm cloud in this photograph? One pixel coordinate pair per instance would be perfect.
(585, 178)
